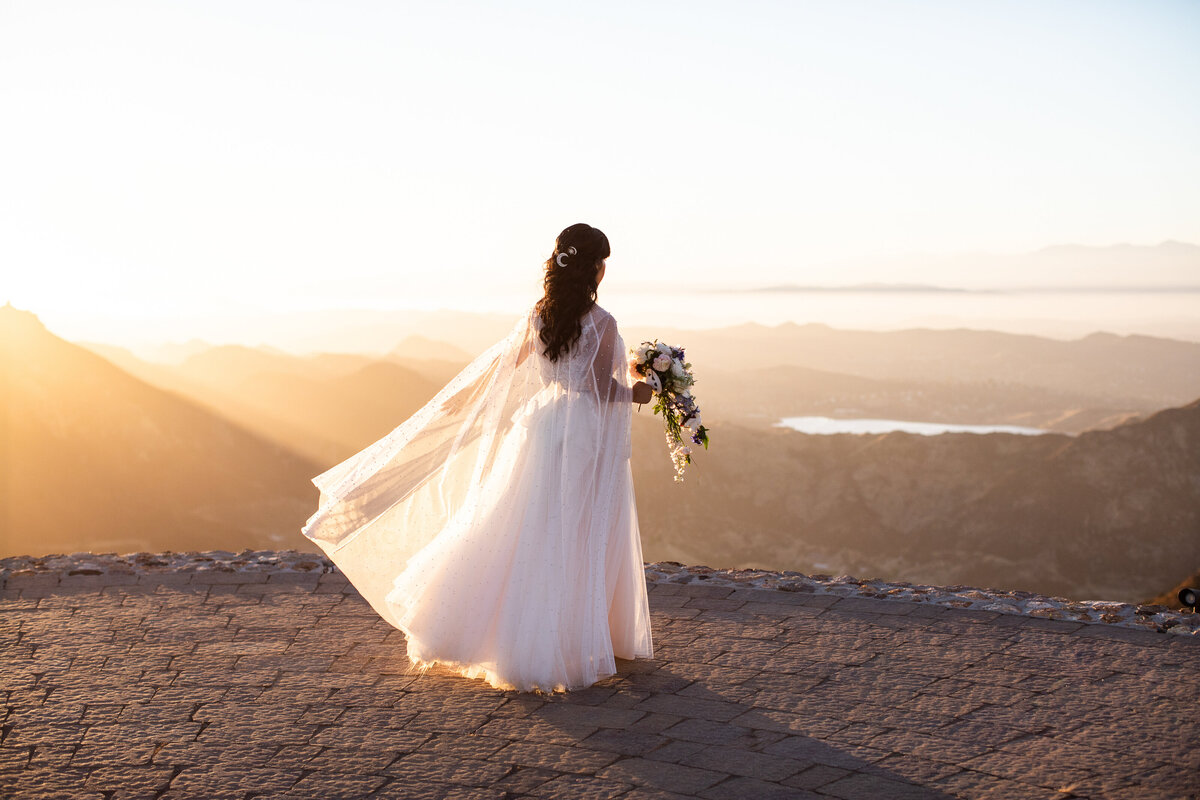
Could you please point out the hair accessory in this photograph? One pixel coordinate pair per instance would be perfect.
(558, 259)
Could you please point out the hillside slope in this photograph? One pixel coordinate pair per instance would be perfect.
(1109, 514)
(94, 458)
(1125, 371)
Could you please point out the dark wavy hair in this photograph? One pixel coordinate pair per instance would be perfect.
(570, 286)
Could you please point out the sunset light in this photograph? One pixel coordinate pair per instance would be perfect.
(662, 399)
(167, 161)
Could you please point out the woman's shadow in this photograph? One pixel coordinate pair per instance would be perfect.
(676, 730)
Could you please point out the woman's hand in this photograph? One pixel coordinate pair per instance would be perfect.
(642, 392)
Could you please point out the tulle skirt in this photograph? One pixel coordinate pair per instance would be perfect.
(536, 582)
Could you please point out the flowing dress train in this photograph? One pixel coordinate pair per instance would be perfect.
(497, 526)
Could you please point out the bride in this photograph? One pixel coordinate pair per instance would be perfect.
(496, 526)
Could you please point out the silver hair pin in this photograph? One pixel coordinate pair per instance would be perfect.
(558, 259)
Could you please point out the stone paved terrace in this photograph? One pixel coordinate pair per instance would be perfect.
(282, 684)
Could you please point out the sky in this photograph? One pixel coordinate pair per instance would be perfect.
(160, 160)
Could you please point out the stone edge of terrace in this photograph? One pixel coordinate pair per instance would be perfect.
(16, 571)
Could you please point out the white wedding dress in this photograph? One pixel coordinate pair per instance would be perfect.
(496, 527)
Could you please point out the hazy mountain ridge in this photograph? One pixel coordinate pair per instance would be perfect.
(325, 406)
(756, 395)
(764, 395)
(1110, 514)
(97, 458)
(763, 497)
(1140, 371)
(423, 348)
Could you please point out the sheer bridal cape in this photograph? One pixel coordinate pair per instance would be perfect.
(496, 527)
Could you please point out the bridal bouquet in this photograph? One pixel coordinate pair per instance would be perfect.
(663, 367)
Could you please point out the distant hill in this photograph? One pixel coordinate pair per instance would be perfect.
(119, 356)
(325, 406)
(375, 331)
(917, 375)
(175, 352)
(763, 395)
(421, 347)
(1114, 372)
(350, 411)
(97, 459)
(1109, 514)
(232, 363)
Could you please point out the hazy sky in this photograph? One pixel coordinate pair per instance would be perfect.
(178, 157)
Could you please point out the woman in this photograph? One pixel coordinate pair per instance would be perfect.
(496, 527)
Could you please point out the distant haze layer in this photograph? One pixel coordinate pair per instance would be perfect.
(830, 426)
(1062, 292)
(1058, 314)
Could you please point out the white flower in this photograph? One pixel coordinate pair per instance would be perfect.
(670, 377)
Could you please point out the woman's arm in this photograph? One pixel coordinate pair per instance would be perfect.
(525, 351)
(610, 362)
(531, 339)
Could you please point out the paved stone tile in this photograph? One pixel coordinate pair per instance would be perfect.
(520, 781)
(623, 742)
(675, 751)
(691, 707)
(569, 715)
(727, 734)
(655, 723)
(336, 784)
(947, 748)
(224, 684)
(579, 787)
(469, 746)
(872, 787)
(643, 793)
(555, 757)
(534, 730)
(228, 781)
(133, 782)
(816, 776)
(417, 767)
(740, 788)
(815, 725)
(985, 786)
(736, 760)
(662, 775)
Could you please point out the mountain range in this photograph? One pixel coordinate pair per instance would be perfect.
(1126, 370)
(217, 450)
(1108, 514)
(97, 459)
